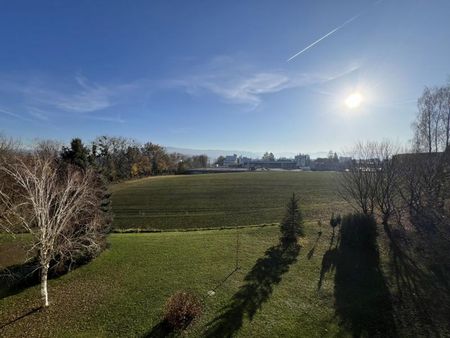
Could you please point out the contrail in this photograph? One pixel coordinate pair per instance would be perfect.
(332, 31)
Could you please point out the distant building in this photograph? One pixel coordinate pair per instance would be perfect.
(281, 164)
(302, 160)
(230, 161)
(243, 161)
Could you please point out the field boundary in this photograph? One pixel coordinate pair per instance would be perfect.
(141, 230)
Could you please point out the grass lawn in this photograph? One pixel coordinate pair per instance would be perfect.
(122, 292)
(221, 200)
(323, 290)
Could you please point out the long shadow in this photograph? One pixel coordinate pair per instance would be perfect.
(328, 264)
(328, 260)
(258, 287)
(30, 312)
(421, 278)
(408, 278)
(313, 249)
(222, 282)
(160, 330)
(362, 299)
(16, 278)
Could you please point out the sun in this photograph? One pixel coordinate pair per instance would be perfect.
(354, 100)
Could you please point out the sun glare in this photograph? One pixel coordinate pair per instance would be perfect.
(354, 100)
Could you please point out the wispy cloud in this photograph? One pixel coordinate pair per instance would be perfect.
(38, 113)
(230, 79)
(84, 98)
(247, 89)
(117, 119)
(14, 115)
(240, 84)
(43, 99)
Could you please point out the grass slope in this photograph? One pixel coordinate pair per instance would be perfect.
(221, 200)
(326, 290)
(122, 292)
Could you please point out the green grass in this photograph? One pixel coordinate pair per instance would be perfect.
(123, 291)
(327, 290)
(221, 200)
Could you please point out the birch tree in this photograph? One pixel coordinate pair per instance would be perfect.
(432, 125)
(445, 114)
(59, 208)
(424, 124)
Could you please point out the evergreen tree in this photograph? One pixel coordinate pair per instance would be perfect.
(292, 225)
(77, 154)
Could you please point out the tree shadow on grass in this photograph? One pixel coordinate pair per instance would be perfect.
(16, 278)
(313, 249)
(362, 299)
(258, 287)
(160, 330)
(28, 313)
(421, 274)
(328, 264)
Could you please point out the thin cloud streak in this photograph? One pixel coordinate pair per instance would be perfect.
(325, 36)
(243, 86)
(106, 119)
(242, 89)
(84, 97)
(17, 116)
(41, 101)
(237, 82)
(353, 18)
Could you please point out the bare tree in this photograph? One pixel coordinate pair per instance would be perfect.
(387, 178)
(59, 208)
(7, 146)
(357, 185)
(424, 124)
(432, 125)
(444, 94)
(423, 180)
(371, 182)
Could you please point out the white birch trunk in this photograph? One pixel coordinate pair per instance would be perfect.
(44, 289)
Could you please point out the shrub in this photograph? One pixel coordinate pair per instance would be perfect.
(358, 231)
(335, 221)
(181, 309)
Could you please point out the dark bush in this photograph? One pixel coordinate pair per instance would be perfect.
(358, 231)
(181, 309)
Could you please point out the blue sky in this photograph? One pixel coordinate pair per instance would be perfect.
(215, 75)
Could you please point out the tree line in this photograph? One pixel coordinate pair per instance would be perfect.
(119, 158)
